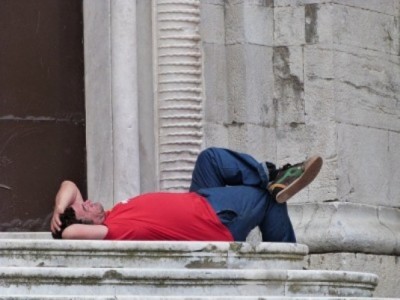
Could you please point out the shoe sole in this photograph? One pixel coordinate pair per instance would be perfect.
(312, 166)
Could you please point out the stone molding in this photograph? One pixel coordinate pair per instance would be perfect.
(347, 227)
(178, 282)
(150, 254)
(179, 93)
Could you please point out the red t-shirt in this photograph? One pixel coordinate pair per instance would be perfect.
(165, 216)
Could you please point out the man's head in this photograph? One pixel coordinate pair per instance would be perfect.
(87, 212)
(67, 218)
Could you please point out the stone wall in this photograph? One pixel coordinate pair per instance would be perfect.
(281, 80)
(237, 43)
(289, 78)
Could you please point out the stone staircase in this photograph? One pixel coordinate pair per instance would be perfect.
(37, 267)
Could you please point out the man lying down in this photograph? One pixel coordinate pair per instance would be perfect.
(230, 194)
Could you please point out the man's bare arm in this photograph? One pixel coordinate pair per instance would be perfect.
(85, 232)
(67, 195)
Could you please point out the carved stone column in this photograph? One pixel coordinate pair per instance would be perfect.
(178, 90)
(111, 100)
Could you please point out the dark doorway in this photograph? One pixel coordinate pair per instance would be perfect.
(42, 109)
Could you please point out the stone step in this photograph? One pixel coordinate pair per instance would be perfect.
(134, 254)
(183, 282)
(111, 297)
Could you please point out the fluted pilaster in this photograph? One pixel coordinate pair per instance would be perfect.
(179, 90)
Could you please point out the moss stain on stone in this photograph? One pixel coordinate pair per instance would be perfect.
(207, 263)
(235, 247)
(311, 30)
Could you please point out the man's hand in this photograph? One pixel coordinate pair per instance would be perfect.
(55, 221)
(68, 195)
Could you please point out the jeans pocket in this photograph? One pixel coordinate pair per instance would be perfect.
(227, 216)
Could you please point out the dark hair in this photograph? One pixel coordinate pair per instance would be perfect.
(67, 218)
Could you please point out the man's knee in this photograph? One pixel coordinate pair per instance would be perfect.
(208, 150)
(207, 154)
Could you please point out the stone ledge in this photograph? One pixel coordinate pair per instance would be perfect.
(178, 282)
(133, 297)
(151, 254)
(26, 235)
(347, 227)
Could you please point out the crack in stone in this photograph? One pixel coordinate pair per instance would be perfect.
(368, 89)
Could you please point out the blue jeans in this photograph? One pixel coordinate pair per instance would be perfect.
(235, 185)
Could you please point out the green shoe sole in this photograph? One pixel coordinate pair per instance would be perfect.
(312, 166)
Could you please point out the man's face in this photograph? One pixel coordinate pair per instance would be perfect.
(89, 211)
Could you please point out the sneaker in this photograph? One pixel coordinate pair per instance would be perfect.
(291, 179)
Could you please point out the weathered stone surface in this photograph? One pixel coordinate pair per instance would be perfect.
(78, 268)
(362, 181)
(320, 19)
(385, 266)
(347, 227)
(249, 22)
(215, 84)
(104, 281)
(217, 135)
(145, 93)
(26, 235)
(292, 143)
(256, 140)
(319, 92)
(125, 127)
(214, 2)
(134, 297)
(259, 22)
(283, 3)
(390, 7)
(236, 82)
(363, 24)
(393, 153)
(288, 86)
(250, 84)
(119, 254)
(98, 103)
(319, 98)
(366, 29)
(371, 100)
(289, 28)
(311, 21)
(212, 22)
(234, 23)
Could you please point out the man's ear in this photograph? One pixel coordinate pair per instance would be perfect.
(85, 232)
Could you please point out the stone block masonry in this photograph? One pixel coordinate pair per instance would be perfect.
(281, 80)
(292, 78)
